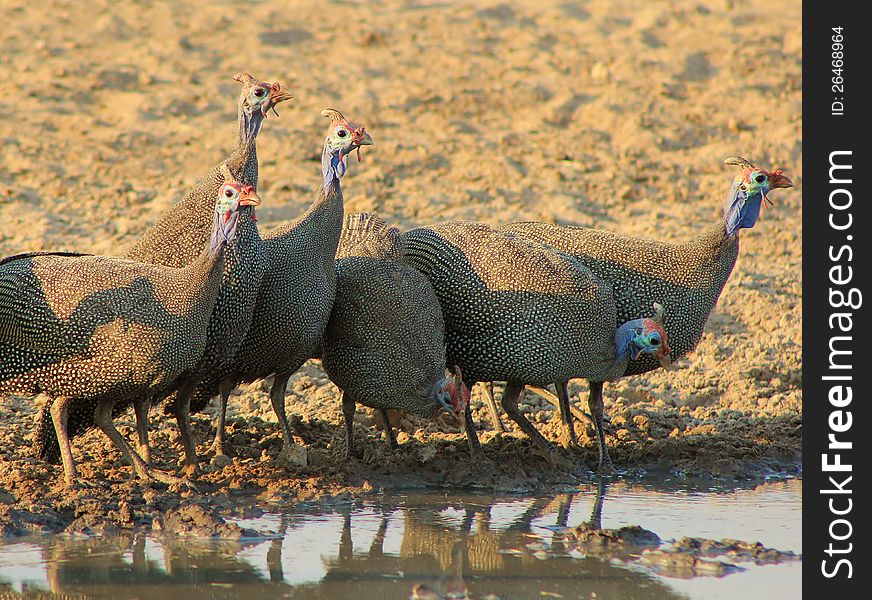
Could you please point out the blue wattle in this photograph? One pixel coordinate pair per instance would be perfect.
(332, 167)
(223, 232)
(742, 209)
(625, 347)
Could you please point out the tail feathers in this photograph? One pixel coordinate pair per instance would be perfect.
(367, 234)
(45, 440)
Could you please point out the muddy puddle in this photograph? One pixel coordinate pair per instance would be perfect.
(672, 539)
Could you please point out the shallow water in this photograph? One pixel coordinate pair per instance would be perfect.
(475, 545)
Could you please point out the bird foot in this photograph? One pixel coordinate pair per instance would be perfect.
(294, 456)
(190, 470)
(152, 475)
(568, 441)
(218, 449)
(554, 458)
(81, 485)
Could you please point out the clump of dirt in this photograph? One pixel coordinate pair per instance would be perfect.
(692, 557)
(685, 566)
(685, 558)
(735, 549)
(592, 540)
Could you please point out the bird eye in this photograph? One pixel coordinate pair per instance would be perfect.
(342, 133)
(760, 178)
(228, 192)
(259, 92)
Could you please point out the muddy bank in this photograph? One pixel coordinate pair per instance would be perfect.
(719, 445)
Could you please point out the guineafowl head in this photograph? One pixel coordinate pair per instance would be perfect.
(342, 139)
(749, 192)
(255, 99)
(453, 395)
(232, 195)
(644, 336)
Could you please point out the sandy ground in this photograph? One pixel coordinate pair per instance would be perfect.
(609, 114)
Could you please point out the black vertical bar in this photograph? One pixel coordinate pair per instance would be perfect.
(836, 245)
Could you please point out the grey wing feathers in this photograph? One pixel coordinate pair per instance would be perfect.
(27, 322)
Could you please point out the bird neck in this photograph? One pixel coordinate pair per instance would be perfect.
(248, 126)
(332, 168)
(741, 208)
(243, 159)
(226, 227)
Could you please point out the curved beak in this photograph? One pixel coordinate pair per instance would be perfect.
(362, 137)
(249, 197)
(778, 180)
(276, 95)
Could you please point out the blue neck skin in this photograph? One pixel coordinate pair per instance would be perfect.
(249, 125)
(625, 341)
(223, 232)
(741, 208)
(332, 167)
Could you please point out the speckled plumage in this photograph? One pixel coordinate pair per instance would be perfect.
(687, 278)
(295, 296)
(513, 309)
(516, 310)
(90, 331)
(384, 346)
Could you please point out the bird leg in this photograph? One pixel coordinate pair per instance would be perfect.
(140, 408)
(348, 409)
(471, 435)
(553, 399)
(60, 411)
(389, 430)
(565, 412)
(182, 411)
(496, 422)
(224, 389)
(596, 407)
(103, 418)
(509, 402)
(292, 452)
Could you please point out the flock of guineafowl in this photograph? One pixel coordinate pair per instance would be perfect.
(204, 301)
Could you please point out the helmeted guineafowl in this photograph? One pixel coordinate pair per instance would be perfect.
(297, 291)
(686, 277)
(182, 231)
(90, 331)
(244, 265)
(521, 312)
(384, 346)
